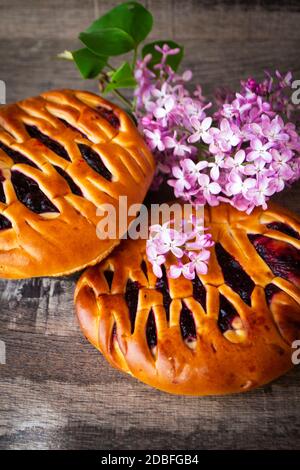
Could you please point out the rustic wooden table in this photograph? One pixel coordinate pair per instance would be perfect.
(56, 391)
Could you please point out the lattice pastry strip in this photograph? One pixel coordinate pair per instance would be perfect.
(63, 155)
(228, 331)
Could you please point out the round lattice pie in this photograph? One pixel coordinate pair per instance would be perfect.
(62, 155)
(228, 331)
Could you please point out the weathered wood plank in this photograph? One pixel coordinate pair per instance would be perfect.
(41, 19)
(223, 43)
(65, 392)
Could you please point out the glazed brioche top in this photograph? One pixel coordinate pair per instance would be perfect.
(62, 155)
(227, 331)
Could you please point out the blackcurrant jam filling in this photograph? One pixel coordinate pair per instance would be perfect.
(270, 291)
(144, 268)
(282, 258)
(284, 228)
(17, 157)
(114, 331)
(94, 161)
(4, 223)
(187, 324)
(199, 292)
(65, 123)
(227, 313)
(2, 194)
(109, 275)
(163, 287)
(234, 275)
(51, 144)
(110, 116)
(151, 332)
(132, 298)
(29, 193)
(73, 186)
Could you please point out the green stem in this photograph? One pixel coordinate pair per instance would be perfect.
(134, 104)
(135, 53)
(123, 99)
(117, 93)
(134, 58)
(110, 67)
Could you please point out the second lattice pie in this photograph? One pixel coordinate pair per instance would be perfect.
(227, 331)
(63, 155)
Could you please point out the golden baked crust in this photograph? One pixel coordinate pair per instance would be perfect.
(228, 332)
(82, 152)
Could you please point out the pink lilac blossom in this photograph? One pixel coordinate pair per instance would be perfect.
(166, 113)
(242, 155)
(253, 154)
(189, 247)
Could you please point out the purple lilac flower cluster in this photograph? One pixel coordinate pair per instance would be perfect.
(242, 155)
(275, 89)
(164, 109)
(189, 246)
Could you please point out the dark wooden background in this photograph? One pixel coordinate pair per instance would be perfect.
(56, 391)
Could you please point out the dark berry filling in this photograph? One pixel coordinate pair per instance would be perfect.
(234, 274)
(284, 228)
(73, 186)
(151, 332)
(270, 291)
(163, 287)
(4, 223)
(109, 275)
(144, 268)
(110, 116)
(2, 194)
(51, 144)
(17, 157)
(187, 324)
(199, 292)
(114, 332)
(94, 161)
(72, 127)
(227, 314)
(282, 258)
(29, 193)
(132, 298)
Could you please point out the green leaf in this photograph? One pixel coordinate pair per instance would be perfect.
(173, 60)
(130, 17)
(107, 42)
(124, 72)
(89, 64)
(121, 78)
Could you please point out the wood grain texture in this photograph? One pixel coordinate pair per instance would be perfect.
(56, 391)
